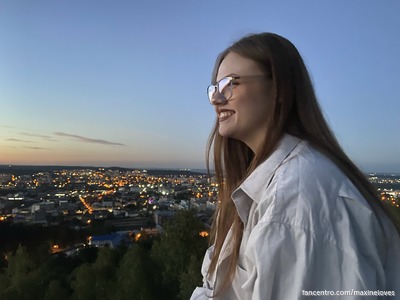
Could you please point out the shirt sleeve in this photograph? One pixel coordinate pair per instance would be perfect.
(204, 292)
(286, 262)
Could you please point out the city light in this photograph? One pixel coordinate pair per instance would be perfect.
(203, 233)
(104, 193)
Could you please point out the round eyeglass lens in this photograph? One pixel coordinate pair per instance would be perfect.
(224, 87)
(211, 92)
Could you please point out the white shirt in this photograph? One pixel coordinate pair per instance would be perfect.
(306, 229)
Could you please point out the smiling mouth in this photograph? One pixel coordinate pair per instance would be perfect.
(223, 115)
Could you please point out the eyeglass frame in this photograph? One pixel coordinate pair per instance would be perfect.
(216, 86)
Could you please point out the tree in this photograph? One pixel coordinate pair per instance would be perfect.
(56, 291)
(136, 276)
(84, 283)
(191, 277)
(179, 250)
(24, 278)
(3, 263)
(97, 280)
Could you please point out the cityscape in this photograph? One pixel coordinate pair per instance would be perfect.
(127, 200)
(74, 216)
(111, 226)
(130, 199)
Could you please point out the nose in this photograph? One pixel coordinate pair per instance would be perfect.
(218, 99)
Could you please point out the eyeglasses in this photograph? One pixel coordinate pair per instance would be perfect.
(224, 87)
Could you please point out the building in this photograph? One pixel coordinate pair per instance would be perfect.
(112, 240)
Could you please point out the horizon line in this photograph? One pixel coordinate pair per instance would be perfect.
(146, 168)
(97, 167)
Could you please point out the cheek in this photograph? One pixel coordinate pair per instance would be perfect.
(259, 104)
(254, 105)
(258, 111)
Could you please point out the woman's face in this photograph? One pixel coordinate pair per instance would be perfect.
(243, 117)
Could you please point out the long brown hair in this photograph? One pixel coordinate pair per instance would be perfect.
(294, 110)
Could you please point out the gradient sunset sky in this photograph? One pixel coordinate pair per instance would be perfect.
(123, 83)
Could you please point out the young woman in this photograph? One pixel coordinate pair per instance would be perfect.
(296, 217)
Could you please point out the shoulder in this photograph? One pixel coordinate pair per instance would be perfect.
(310, 210)
(310, 193)
(309, 187)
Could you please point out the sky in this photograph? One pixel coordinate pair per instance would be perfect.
(123, 83)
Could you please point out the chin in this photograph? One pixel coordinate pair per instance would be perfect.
(225, 133)
(228, 133)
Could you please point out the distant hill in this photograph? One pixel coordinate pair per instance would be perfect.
(29, 170)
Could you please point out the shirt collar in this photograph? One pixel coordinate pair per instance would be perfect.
(254, 185)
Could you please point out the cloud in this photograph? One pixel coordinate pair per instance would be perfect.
(45, 137)
(37, 148)
(18, 140)
(87, 140)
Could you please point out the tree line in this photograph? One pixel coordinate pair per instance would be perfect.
(163, 267)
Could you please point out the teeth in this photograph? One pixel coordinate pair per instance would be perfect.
(224, 114)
